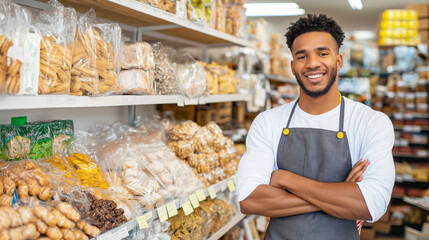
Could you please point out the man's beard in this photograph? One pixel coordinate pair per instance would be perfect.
(322, 92)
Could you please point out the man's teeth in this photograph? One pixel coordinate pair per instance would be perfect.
(315, 76)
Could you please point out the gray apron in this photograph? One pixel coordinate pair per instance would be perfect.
(324, 156)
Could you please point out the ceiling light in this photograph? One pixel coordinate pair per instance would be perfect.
(356, 4)
(273, 9)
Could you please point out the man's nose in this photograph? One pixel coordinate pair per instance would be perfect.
(312, 62)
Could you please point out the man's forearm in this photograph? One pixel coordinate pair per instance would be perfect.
(271, 201)
(342, 200)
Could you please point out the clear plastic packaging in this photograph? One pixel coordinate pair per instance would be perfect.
(156, 230)
(190, 75)
(14, 32)
(137, 55)
(235, 20)
(153, 3)
(84, 75)
(195, 11)
(220, 16)
(165, 79)
(136, 81)
(57, 27)
(167, 5)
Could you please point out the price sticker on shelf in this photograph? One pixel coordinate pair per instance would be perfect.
(121, 233)
(148, 215)
(162, 213)
(142, 221)
(201, 195)
(105, 236)
(194, 200)
(231, 185)
(212, 192)
(172, 209)
(187, 208)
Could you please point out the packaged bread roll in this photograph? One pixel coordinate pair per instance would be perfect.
(136, 81)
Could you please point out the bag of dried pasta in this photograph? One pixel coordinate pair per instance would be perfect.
(57, 27)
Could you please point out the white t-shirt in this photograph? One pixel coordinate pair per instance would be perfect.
(370, 136)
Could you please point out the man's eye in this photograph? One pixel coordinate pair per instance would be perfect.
(323, 54)
(301, 57)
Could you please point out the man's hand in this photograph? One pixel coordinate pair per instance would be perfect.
(356, 173)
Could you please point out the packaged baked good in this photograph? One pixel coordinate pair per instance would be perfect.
(57, 29)
(235, 20)
(165, 79)
(167, 5)
(150, 2)
(84, 74)
(191, 76)
(196, 11)
(220, 16)
(137, 55)
(136, 81)
(62, 134)
(15, 43)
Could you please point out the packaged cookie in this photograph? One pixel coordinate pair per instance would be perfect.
(184, 131)
(137, 56)
(57, 29)
(136, 81)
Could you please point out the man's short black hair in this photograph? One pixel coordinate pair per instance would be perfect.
(314, 23)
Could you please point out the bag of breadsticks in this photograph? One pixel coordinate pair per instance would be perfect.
(84, 74)
(57, 29)
(108, 45)
(15, 55)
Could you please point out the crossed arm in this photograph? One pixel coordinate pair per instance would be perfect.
(291, 194)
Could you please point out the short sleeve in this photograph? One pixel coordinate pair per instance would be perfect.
(257, 163)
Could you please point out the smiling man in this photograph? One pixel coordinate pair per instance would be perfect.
(323, 161)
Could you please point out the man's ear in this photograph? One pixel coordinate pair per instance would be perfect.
(292, 67)
(339, 61)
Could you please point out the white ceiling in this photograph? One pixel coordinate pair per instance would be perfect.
(340, 10)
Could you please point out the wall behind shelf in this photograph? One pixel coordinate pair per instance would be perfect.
(83, 118)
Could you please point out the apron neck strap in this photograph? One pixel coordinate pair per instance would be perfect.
(341, 114)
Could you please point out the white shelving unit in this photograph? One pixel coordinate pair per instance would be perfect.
(66, 101)
(140, 19)
(419, 202)
(280, 79)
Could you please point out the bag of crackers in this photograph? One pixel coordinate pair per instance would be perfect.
(57, 29)
(14, 27)
(95, 63)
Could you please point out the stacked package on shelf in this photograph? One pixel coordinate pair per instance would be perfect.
(95, 57)
(22, 140)
(165, 80)
(139, 165)
(212, 155)
(279, 61)
(235, 20)
(398, 27)
(220, 78)
(423, 16)
(202, 11)
(57, 30)
(16, 76)
(206, 220)
(138, 66)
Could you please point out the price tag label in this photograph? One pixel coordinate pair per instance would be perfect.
(194, 200)
(231, 185)
(142, 221)
(201, 195)
(212, 192)
(162, 213)
(187, 208)
(121, 233)
(172, 209)
(105, 236)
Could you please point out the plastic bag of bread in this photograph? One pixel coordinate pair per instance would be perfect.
(84, 74)
(220, 16)
(29, 179)
(108, 39)
(235, 20)
(15, 63)
(137, 56)
(191, 76)
(136, 81)
(57, 28)
(165, 78)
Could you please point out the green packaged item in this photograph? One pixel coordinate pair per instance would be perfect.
(16, 140)
(62, 135)
(40, 135)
